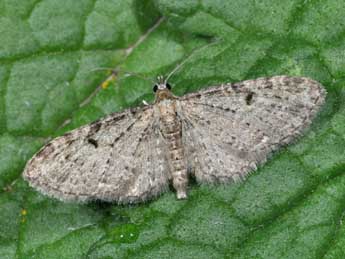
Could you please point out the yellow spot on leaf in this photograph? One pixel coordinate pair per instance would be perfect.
(109, 80)
(24, 212)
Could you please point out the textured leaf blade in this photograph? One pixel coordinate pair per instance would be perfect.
(291, 207)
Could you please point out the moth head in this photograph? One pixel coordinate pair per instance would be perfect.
(162, 89)
(161, 84)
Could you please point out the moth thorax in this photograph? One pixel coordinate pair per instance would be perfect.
(167, 107)
(164, 94)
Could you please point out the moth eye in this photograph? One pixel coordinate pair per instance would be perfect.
(168, 86)
(155, 88)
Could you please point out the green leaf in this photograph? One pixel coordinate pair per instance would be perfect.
(50, 52)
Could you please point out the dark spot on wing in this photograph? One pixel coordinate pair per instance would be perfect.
(117, 118)
(130, 127)
(95, 126)
(249, 98)
(67, 134)
(211, 91)
(268, 83)
(287, 81)
(68, 137)
(297, 80)
(133, 110)
(46, 150)
(118, 137)
(198, 95)
(70, 142)
(236, 87)
(93, 142)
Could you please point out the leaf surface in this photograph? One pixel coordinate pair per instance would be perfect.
(292, 207)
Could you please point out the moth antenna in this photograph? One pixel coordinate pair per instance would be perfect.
(187, 59)
(101, 68)
(126, 73)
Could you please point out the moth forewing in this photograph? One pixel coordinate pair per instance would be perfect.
(218, 134)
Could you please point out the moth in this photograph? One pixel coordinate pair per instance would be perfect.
(217, 135)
